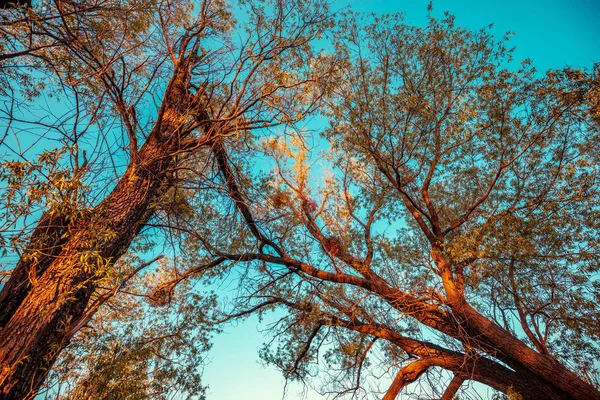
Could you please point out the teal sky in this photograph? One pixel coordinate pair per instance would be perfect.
(553, 33)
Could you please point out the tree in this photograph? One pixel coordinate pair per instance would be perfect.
(146, 85)
(454, 233)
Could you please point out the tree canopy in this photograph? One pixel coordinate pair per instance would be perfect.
(128, 92)
(410, 200)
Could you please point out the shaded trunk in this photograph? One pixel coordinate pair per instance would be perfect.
(522, 381)
(481, 370)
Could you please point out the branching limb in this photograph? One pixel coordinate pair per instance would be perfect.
(236, 195)
(452, 388)
(408, 375)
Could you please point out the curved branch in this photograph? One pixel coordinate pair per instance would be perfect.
(408, 375)
(238, 198)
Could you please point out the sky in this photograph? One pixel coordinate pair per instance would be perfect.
(553, 33)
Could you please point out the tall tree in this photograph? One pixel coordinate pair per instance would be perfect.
(454, 232)
(146, 85)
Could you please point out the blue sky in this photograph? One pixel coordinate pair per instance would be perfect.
(553, 33)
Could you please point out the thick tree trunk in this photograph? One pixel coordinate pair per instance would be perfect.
(544, 371)
(32, 340)
(522, 381)
(545, 368)
(47, 240)
(35, 332)
(40, 303)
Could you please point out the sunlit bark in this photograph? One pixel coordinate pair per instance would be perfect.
(36, 327)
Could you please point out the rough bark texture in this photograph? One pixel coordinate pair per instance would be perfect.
(41, 301)
(545, 372)
(47, 237)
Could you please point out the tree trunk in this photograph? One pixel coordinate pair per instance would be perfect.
(47, 238)
(40, 305)
(35, 332)
(543, 369)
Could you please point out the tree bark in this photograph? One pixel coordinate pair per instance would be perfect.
(509, 348)
(452, 388)
(46, 239)
(405, 376)
(39, 306)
